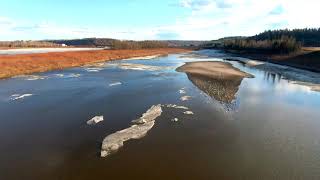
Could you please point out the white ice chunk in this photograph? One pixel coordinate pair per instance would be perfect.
(19, 96)
(115, 84)
(182, 91)
(140, 67)
(95, 120)
(176, 106)
(93, 69)
(116, 140)
(175, 120)
(188, 112)
(185, 98)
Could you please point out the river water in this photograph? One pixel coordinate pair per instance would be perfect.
(259, 128)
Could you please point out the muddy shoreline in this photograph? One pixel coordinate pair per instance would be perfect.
(13, 65)
(306, 60)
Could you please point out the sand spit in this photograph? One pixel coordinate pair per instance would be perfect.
(296, 76)
(211, 69)
(141, 127)
(115, 84)
(140, 67)
(95, 120)
(15, 97)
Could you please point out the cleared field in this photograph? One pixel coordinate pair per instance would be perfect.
(41, 50)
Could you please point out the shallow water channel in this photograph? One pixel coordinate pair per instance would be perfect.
(259, 128)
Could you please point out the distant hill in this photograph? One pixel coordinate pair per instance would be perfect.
(27, 44)
(185, 43)
(307, 37)
(276, 41)
(91, 42)
(103, 42)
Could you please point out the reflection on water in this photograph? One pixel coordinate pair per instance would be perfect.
(222, 90)
(274, 78)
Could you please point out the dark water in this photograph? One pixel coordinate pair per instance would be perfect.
(260, 128)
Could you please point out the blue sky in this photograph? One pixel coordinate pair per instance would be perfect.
(151, 19)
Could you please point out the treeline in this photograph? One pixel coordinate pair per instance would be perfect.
(307, 36)
(282, 44)
(117, 44)
(87, 42)
(27, 44)
(112, 43)
(276, 41)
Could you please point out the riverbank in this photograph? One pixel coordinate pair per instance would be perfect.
(12, 65)
(307, 58)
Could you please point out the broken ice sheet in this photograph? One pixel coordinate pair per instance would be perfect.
(142, 125)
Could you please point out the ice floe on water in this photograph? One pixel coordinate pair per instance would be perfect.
(95, 120)
(176, 106)
(182, 91)
(59, 75)
(93, 69)
(175, 120)
(115, 84)
(144, 57)
(188, 112)
(15, 97)
(31, 77)
(71, 75)
(39, 77)
(185, 98)
(140, 67)
(140, 128)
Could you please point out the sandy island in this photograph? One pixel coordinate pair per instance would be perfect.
(12, 65)
(212, 69)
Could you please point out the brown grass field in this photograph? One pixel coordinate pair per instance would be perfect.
(12, 65)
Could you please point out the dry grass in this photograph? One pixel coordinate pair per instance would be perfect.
(12, 65)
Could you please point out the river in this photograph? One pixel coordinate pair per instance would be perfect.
(265, 127)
